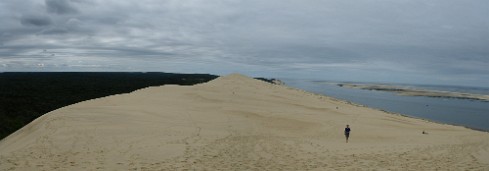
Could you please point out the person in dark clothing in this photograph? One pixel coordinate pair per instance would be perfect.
(347, 132)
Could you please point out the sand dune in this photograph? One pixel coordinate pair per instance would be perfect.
(236, 123)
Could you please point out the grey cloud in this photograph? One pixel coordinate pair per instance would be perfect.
(289, 54)
(414, 38)
(54, 31)
(60, 7)
(36, 20)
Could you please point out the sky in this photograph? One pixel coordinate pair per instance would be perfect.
(395, 41)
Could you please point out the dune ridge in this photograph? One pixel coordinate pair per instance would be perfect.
(236, 123)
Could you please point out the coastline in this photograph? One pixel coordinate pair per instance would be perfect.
(407, 91)
(385, 111)
(444, 111)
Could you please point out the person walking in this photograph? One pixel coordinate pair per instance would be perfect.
(347, 132)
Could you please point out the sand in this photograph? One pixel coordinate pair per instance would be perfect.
(236, 123)
(408, 91)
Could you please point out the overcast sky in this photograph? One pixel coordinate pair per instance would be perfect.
(408, 41)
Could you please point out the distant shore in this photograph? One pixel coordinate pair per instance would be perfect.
(395, 113)
(407, 91)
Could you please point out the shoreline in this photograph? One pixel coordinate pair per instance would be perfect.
(407, 91)
(385, 111)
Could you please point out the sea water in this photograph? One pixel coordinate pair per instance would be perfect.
(469, 113)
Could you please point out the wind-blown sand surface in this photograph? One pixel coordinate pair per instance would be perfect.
(236, 123)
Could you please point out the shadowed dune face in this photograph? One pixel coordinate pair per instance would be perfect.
(235, 123)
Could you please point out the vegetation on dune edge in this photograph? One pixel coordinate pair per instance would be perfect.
(27, 95)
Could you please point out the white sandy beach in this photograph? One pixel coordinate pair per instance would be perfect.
(236, 123)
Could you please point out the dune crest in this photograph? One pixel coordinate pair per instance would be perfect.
(236, 123)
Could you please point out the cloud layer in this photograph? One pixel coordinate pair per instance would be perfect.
(415, 41)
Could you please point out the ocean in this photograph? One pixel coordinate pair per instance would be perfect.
(469, 113)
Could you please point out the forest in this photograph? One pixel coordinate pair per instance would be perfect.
(24, 96)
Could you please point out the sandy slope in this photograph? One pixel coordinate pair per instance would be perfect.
(236, 123)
